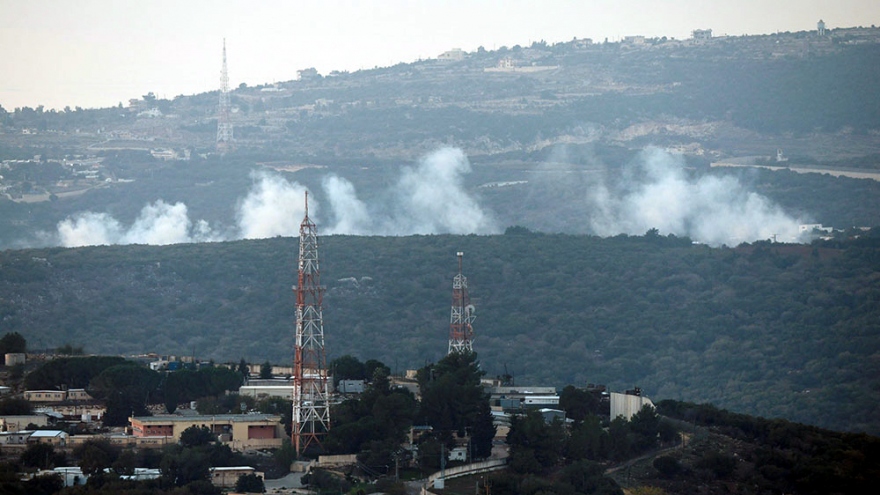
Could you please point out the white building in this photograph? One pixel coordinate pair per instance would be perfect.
(627, 405)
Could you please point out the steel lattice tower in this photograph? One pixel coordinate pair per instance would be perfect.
(311, 395)
(461, 332)
(224, 127)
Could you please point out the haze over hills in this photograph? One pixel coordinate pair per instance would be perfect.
(551, 137)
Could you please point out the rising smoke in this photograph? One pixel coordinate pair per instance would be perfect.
(427, 199)
(655, 191)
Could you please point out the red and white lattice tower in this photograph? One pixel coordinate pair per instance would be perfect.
(461, 332)
(224, 126)
(311, 394)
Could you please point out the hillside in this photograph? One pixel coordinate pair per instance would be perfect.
(551, 137)
(767, 329)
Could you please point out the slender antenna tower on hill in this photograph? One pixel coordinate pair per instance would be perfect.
(224, 127)
(311, 395)
(461, 333)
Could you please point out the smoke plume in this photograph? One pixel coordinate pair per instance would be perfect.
(657, 193)
(427, 199)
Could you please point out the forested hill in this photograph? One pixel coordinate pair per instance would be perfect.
(774, 330)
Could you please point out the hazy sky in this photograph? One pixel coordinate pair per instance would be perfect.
(97, 53)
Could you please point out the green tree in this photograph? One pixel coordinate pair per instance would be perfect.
(125, 389)
(587, 440)
(42, 456)
(95, 456)
(645, 426)
(74, 372)
(243, 369)
(577, 403)
(451, 392)
(182, 466)
(535, 445)
(44, 485)
(197, 436)
(266, 370)
(15, 406)
(347, 367)
(12, 342)
(250, 483)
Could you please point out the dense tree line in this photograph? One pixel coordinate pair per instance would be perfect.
(752, 327)
(788, 458)
(127, 387)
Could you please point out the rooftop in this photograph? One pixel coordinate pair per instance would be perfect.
(227, 418)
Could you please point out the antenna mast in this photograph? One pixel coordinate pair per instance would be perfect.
(224, 127)
(311, 404)
(461, 332)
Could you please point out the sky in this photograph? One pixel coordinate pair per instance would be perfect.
(98, 53)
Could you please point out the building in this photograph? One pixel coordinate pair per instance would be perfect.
(78, 394)
(351, 387)
(515, 399)
(455, 54)
(263, 391)
(15, 437)
(634, 40)
(76, 411)
(57, 438)
(820, 27)
(238, 431)
(45, 395)
(628, 404)
(310, 73)
(227, 477)
(14, 358)
(18, 423)
(702, 34)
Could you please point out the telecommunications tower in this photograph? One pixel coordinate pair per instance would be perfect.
(461, 333)
(311, 395)
(224, 127)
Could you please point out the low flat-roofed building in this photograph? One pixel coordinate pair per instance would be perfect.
(351, 387)
(263, 391)
(78, 394)
(52, 437)
(81, 412)
(227, 477)
(238, 431)
(17, 423)
(45, 395)
(15, 437)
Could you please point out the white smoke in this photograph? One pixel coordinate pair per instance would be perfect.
(427, 199)
(657, 193)
(89, 229)
(159, 223)
(273, 207)
(350, 215)
(432, 198)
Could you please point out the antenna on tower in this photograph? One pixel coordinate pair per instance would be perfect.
(311, 393)
(461, 332)
(224, 126)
